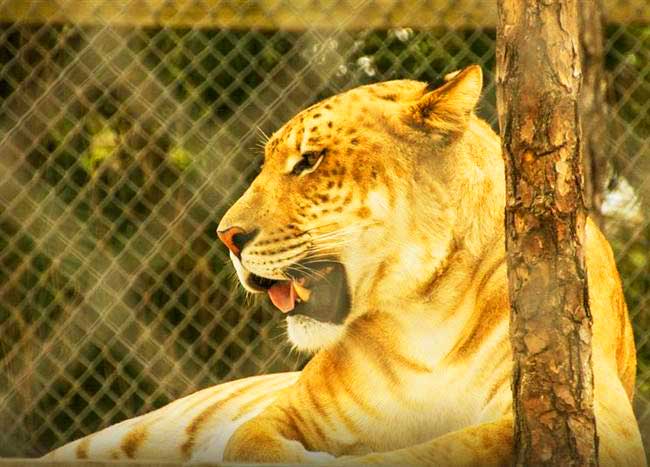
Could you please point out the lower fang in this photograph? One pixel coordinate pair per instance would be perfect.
(302, 293)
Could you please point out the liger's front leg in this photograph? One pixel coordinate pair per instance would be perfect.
(488, 444)
(266, 439)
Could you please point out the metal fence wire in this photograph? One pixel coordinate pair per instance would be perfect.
(127, 130)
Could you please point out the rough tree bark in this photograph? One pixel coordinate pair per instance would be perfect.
(593, 107)
(538, 83)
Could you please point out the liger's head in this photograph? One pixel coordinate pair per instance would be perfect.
(334, 185)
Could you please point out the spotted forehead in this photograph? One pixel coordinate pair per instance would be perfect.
(355, 107)
(309, 125)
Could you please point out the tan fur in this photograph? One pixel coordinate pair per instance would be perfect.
(410, 198)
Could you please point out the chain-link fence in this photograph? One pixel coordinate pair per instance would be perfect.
(126, 130)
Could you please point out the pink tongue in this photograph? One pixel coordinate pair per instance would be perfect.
(283, 296)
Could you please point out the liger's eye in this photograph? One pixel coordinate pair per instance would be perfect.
(309, 162)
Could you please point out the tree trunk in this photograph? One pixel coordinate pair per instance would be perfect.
(538, 83)
(593, 107)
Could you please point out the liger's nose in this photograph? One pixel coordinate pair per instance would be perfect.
(235, 238)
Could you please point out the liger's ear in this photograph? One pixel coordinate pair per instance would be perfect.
(448, 108)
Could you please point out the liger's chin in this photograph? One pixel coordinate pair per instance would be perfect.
(310, 335)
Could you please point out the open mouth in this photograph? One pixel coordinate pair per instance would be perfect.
(321, 294)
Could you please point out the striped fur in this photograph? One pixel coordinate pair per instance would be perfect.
(411, 189)
(194, 427)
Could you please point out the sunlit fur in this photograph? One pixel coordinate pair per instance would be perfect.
(410, 198)
(310, 335)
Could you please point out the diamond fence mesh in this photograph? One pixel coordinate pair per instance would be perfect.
(127, 129)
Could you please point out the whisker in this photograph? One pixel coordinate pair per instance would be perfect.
(299, 268)
(324, 226)
(323, 259)
(326, 249)
(265, 137)
(337, 233)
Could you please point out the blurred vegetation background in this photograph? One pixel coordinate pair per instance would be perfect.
(123, 140)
